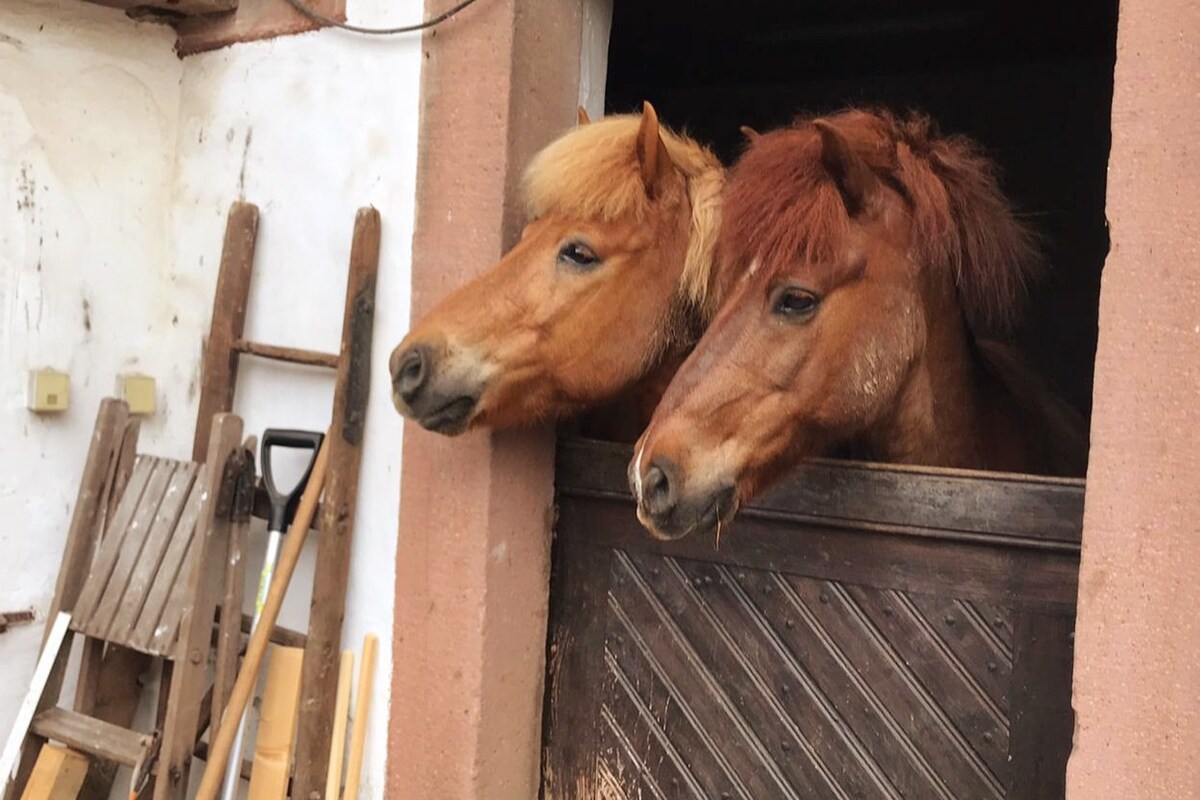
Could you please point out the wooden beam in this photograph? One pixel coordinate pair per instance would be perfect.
(93, 736)
(332, 573)
(98, 471)
(254, 20)
(57, 775)
(173, 7)
(279, 634)
(243, 687)
(229, 617)
(362, 704)
(277, 725)
(202, 588)
(1023, 510)
(218, 372)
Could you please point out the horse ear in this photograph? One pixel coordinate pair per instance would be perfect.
(853, 177)
(652, 153)
(749, 133)
(583, 117)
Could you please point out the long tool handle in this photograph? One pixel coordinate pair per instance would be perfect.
(233, 772)
(218, 756)
(337, 747)
(366, 679)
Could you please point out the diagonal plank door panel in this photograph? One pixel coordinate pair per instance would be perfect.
(739, 683)
(812, 656)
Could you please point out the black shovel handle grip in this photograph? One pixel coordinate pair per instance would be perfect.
(283, 505)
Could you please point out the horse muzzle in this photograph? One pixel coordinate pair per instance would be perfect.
(428, 389)
(670, 512)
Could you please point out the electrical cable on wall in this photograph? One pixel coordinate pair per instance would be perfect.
(312, 14)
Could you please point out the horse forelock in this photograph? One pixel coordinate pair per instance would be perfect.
(781, 206)
(592, 172)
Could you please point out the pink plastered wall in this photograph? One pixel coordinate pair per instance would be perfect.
(1137, 673)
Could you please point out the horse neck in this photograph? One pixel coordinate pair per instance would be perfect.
(946, 400)
(975, 405)
(1035, 429)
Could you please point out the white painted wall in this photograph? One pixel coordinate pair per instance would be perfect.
(89, 109)
(331, 121)
(134, 157)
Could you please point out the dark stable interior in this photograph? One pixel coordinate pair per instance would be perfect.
(1031, 81)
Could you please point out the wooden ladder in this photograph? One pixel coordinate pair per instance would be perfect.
(223, 350)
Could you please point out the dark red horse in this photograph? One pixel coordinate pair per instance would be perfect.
(868, 260)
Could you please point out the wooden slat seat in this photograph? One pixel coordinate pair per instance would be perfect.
(131, 593)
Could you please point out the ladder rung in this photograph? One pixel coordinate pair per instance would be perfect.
(92, 736)
(292, 355)
(279, 635)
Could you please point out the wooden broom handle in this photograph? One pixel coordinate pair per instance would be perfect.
(337, 748)
(243, 687)
(358, 738)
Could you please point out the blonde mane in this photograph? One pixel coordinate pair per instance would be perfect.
(593, 172)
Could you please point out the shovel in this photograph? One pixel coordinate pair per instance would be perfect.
(283, 508)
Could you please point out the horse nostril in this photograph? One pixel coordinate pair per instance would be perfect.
(410, 373)
(657, 496)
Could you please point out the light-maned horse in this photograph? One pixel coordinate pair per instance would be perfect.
(869, 258)
(604, 294)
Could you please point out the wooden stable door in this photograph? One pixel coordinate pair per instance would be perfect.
(862, 632)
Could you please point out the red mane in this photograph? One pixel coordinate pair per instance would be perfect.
(781, 205)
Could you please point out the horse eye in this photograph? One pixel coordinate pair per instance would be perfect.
(578, 255)
(795, 303)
